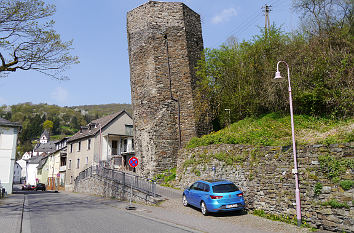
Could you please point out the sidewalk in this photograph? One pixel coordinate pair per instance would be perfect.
(10, 213)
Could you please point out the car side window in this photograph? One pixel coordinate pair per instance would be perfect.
(194, 186)
(202, 187)
(206, 188)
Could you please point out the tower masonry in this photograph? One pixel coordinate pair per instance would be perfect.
(165, 43)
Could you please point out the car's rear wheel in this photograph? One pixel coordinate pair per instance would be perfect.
(184, 200)
(203, 208)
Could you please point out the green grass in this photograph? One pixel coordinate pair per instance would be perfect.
(280, 218)
(166, 177)
(333, 203)
(346, 184)
(58, 137)
(274, 129)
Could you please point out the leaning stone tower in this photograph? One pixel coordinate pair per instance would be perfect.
(165, 43)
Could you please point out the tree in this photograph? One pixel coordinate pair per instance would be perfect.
(321, 16)
(48, 125)
(28, 40)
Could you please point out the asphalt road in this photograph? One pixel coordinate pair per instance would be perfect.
(47, 212)
(66, 212)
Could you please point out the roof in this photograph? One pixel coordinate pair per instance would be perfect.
(4, 122)
(46, 134)
(35, 159)
(48, 147)
(216, 181)
(94, 126)
(42, 162)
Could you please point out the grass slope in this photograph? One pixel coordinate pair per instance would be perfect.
(274, 129)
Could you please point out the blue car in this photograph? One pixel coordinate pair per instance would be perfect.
(214, 196)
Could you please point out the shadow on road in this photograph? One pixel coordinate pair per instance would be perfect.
(223, 214)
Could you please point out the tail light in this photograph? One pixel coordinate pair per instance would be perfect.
(215, 197)
(240, 194)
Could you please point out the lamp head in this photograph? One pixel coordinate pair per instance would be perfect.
(277, 77)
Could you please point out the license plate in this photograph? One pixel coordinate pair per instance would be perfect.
(231, 206)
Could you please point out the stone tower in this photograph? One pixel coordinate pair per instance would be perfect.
(165, 43)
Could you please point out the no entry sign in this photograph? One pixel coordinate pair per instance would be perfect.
(133, 161)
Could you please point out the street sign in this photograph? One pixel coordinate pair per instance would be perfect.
(133, 161)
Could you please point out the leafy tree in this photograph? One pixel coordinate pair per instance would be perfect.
(48, 125)
(28, 40)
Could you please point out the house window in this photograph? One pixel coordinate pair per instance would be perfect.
(69, 165)
(79, 147)
(129, 130)
(71, 148)
(86, 160)
(125, 144)
(78, 163)
(114, 147)
(89, 144)
(71, 179)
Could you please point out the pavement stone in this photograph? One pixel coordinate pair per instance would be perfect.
(11, 213)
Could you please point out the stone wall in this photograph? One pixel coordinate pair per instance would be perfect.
(265, 176)
(165, 43)
(96, 185)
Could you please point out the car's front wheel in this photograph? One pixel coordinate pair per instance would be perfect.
(184, 201)
(203, 208)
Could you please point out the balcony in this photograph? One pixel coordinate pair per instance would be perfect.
(62, 168)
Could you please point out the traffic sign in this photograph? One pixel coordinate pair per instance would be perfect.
(133, 161)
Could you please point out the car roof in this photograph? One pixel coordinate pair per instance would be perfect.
(215, 181)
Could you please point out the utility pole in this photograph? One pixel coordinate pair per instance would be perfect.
(266, 14)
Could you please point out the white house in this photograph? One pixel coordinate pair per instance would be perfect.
(22, 162)
(44, 137)
(8, 142)
(32, 164)
(17, 173)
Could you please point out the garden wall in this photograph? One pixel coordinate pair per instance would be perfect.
(265, 176)
(97, 185)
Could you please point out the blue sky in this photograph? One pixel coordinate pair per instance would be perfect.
(100, 40)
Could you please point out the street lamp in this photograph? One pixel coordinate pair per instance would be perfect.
(294, 171)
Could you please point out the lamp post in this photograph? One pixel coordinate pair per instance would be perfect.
(294, 171)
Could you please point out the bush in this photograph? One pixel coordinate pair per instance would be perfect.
(346, 184)
(335, 204)
(318, 188)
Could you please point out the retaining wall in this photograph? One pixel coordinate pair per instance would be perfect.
(265, 176)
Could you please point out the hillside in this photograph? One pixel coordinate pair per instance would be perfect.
(274, 129)
(66, 120)
(104, 109)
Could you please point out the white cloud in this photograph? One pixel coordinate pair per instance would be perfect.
(60, 95)
(224, 16)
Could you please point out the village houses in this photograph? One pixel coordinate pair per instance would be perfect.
(107, 141)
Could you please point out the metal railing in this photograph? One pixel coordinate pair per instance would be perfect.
(130, 180)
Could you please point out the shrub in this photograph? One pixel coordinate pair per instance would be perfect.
(318, 188)
(335, 204)
(346, 184)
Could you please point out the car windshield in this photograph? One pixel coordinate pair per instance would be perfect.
(225, 188)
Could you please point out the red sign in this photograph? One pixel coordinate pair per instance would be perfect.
(133, 161)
